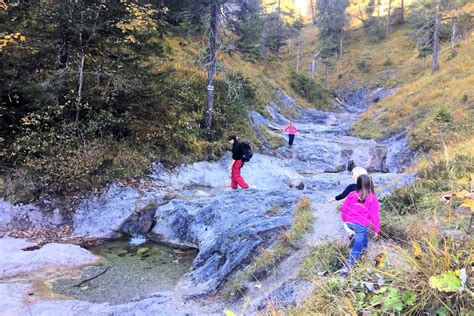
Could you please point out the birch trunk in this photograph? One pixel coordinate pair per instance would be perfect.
(435, 62)
(212, 66)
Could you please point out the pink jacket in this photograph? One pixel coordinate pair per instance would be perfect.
(291, 129)
(365, 214)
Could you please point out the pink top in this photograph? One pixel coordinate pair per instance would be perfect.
(291, 129)
(365, 214)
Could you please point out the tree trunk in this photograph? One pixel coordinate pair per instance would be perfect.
(313, 64)
(63, 58)
(388, 17)
(326, 75)
(378, 7)
(213, 36)
(80, 85)
(313, 15)
(298, 56)
(341, 44)
(435, 62)
(402, 11)
(289, 46)
(278, 38)
(453, 38)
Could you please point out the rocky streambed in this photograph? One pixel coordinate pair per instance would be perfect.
(193, 208)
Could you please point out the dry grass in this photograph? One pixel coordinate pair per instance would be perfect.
(399, 279)
(415, 103)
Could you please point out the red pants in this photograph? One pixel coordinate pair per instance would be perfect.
(236, 178)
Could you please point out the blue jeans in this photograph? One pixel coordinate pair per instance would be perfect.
(291, 138)
(361, 241)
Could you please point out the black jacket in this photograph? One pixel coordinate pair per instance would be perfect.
(237, 151)
(347, 190)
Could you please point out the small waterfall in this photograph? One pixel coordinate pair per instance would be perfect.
(137, 240)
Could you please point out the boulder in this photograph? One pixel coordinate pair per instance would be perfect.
(103, 216)
(226, 230)
(21, 262)
(296, 183)
(28, 216)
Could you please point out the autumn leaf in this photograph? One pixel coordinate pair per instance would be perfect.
(228, 312)
(468, 203)
(446, 282)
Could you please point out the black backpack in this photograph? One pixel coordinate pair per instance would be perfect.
(246, 151)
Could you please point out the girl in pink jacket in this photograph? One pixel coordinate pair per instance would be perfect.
(361, 213)
(291, 130)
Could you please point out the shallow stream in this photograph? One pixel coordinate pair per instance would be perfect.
(129, 273)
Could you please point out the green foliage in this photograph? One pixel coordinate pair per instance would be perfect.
(132, 109)
(392, 300)
(447, 282)
(363, 66)
(310, 90)
(249, 27)
(325, 258)
(423, 197)
(406, 284)
(273, 141)
(331, 21)
(421, 18)
(376, 29)
(443, 115)
(277, 31)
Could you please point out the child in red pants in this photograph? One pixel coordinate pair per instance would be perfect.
(236, 164)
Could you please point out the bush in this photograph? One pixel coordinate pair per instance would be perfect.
(431, 276)
(388, 62)
(310, 90)
(443, 115)
(59, 157)
(363, 66)
(435, 179)
(375, 29)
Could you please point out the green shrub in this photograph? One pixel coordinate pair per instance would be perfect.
(443, 115)
(325, 258)
(363, 66)
(310, 90)
(376, 29)
(388, 62)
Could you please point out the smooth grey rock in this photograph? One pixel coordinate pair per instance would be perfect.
(225, 229)
(296, 183)
(139, 223)
(287, 101)
(28, 216)
(289, 293)
(400, 181)
(277, 117)
(15, 261)
(263, 172)
(399, 155)
(380, 94)
(103, 216)
(258, 119)
(13, 297)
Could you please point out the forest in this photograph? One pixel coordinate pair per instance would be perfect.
(115, 119)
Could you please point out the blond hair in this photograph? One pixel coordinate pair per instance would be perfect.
(357, 172)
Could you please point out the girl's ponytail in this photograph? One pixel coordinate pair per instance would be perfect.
(364, 186)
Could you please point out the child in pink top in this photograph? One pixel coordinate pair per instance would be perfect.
(291, 130)
(361, 212)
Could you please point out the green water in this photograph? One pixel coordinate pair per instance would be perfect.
(131, 272)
